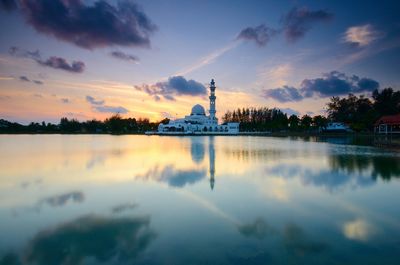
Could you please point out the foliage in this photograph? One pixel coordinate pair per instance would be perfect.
(114, 125)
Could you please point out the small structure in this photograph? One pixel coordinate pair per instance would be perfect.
(198, 122)
(336, 127)
(388, 124)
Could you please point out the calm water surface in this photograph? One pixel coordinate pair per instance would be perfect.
(70, 199)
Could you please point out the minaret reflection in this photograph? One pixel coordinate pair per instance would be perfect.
(211, 154)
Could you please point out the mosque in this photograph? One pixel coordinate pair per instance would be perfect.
(198, 122)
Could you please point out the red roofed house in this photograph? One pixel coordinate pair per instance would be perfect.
(388, 124)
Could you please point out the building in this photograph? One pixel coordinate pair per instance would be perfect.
(198, 122)
(388, 124)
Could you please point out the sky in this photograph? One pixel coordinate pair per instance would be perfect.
(154, 59)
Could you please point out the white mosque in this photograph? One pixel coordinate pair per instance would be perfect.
(198, 122)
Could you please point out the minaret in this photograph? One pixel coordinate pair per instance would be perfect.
(211, 154)
(212, 100)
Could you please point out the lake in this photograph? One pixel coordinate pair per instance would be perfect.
(100, 199)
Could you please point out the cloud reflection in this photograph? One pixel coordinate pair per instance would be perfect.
(62, 199)
(174, 177)
(91, 237)
(358, 229)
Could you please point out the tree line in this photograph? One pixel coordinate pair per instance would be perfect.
(359, 112)
(114, 125)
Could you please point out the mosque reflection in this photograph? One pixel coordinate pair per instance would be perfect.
(176, 177)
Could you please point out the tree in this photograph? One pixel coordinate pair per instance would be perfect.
(306, 121)
(294, 122)
(386, 102)
(319, 121)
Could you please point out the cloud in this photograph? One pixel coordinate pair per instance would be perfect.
(283, 94)
(99, 106)
(93, 101)
(90, 26)
(298, 21)
(8, 5)
(111, 109)
(361, 35)
(24, 78)
(295, 25)
(260, 34)
(65, 100)
(61, 63)
(176, 85)
(53, 62)
(331, 84)
(18, 52)
(124, 56)
(290, 111)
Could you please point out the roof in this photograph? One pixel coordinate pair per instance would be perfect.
(390, 119)
(198, 110)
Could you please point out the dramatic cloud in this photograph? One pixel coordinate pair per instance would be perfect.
(124, 56)
(331, 84)
(99, 106)
(8, 5)
(37, 82)
(295, 25)
(176, 85)
(260, 34)
(24, 78)
(300, 20)
(61, 63)
(361, 35)
(99, 24)
(65, 100)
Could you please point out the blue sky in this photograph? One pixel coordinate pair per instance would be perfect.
(288, 54)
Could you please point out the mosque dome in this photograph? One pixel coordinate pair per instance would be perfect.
(198, 110)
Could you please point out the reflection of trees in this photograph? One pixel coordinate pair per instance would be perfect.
(384, 167)
(258, 229)
(255, 154)
(91, 237)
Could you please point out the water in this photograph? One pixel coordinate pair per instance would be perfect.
(83, 199)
